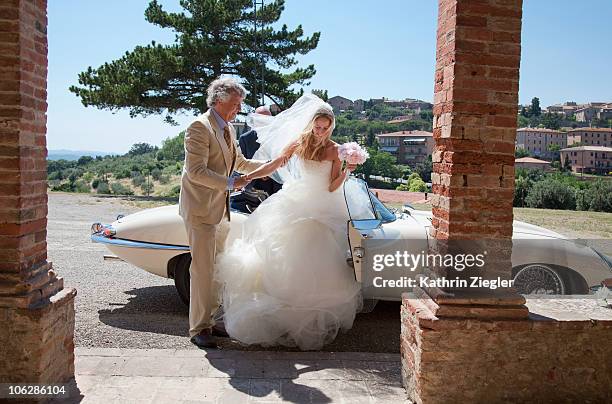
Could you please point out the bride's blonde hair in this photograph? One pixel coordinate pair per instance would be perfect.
(309, 147)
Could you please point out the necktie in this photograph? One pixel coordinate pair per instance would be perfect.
(228, 141)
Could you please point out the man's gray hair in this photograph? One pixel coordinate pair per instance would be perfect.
(222, 89)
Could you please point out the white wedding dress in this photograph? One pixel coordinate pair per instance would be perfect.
(286, 281)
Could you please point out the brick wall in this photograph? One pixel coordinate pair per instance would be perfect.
(475, 99)
(527, 360)
(37, 313)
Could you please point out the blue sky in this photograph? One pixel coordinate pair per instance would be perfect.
(367, 50)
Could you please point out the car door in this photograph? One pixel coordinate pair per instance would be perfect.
(374, 232)
(363, 221)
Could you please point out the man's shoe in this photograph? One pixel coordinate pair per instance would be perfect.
(204, 339)
(218, 330)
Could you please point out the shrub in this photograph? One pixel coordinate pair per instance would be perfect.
(138, 180)
(522, 186)
(147, 187)
(374, 183)
(64, 187)
(123, 173)
(82, 186)
(120, 189)
(417, 185)
(156, 173)
(598, 197)
(164, 179)
(174, 192)
(551, 194)
(103, 188)
(95, 183)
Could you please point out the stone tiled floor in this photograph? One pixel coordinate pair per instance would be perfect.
(106, 375)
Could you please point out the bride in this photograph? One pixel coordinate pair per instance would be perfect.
(286, 281)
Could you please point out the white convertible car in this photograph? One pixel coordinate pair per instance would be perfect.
(155, 240)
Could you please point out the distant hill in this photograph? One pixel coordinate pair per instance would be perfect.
(70, 155)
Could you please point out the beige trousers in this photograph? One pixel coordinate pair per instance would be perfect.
(205, 241)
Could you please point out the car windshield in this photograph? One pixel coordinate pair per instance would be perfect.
(358, 200)
(362, 204)
(382, 211)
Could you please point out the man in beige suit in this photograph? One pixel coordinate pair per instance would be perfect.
(210, 158)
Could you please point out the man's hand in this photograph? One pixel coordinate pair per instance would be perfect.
(241, 182)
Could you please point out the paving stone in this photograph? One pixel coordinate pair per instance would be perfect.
(234, 390)
(121, 376)
(297, 392)
(150, 366)
(86, 365)
(280, 369)
(268, 390)
(322, 370)
(249, 368)
(221, 368)
(386, 392)
(354, 391)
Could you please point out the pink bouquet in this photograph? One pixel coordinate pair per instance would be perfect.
(352, 153)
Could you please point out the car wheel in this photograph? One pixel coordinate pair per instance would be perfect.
(182, 277)
(539, 279)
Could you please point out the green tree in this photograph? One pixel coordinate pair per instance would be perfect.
(213, 38)
(535, 109)
(424, 169)
(554, 149)
(322, 94)
(522, 185)
(551, 121)
(141, 148)
(551, 194)
(520, 152)
(84, 160)
(173, 148)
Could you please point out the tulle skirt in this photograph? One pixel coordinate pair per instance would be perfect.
(286, 281)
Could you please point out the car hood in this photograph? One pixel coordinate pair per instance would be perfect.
(520, 229)
(161, 225)
(525, 229)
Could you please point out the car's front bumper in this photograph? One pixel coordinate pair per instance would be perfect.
(105, 234)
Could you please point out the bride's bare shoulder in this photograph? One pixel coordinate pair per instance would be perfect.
(331, 150)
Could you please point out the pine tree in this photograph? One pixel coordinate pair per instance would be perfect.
(535, 107)
(214, 38)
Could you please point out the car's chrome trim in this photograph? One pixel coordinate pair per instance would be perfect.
(97, 238)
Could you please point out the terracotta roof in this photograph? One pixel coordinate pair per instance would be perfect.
(530, 160)
(538, 130)
(588, 148)
(609, 130)
(406, 133)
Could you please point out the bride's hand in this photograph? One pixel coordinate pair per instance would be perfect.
(351, 167)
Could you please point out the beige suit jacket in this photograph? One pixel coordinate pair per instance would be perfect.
(208, 163)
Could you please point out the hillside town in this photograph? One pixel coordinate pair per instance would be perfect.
(581, 148)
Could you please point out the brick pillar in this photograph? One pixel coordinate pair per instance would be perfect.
(36, 312)
(475, 114)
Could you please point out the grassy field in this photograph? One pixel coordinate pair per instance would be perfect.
(575, 224)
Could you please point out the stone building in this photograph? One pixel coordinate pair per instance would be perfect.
(359, 105)
(408, 147)
(339, 103)
(537, 141)
(590, 137)
(532, 163)
(588, 159)
(594, 110)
